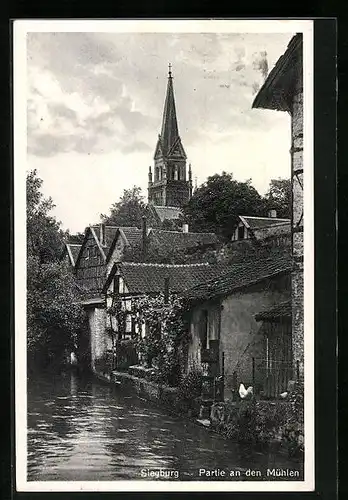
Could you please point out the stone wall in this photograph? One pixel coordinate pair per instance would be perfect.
(98, 338)
(269, 423)
(297, 217)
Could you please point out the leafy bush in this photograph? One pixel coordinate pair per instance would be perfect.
(126, 353)
(189, 389)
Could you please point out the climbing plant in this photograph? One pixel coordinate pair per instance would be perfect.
(165, 330)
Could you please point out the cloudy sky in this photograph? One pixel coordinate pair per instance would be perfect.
(95, 103)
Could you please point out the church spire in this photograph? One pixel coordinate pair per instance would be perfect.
(169, 132)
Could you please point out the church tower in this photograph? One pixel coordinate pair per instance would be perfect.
(169, 185)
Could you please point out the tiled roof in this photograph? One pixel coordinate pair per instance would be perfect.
(179, 240)
(143, 278)
(73, 251)
(132, 234)
(110, 232)
(240, 276)
(280, 311)
(262, 222)
(169, 213)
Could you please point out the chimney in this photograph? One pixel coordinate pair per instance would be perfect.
(272, 214)
(102, 234)
(166, 290)
(185, 228)
(144, 236)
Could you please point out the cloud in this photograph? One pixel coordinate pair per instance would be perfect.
(98, 97)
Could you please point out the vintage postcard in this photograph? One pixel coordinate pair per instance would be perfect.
(163, 191)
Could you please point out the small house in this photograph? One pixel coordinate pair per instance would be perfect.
(259, 228)
(224, 333)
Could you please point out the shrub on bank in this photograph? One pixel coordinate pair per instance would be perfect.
(189, 390)
(263, 422)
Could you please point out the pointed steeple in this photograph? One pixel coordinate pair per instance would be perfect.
(169, 132)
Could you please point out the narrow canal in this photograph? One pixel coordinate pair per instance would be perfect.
(81, 429)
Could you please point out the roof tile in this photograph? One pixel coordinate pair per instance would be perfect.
(240, 276)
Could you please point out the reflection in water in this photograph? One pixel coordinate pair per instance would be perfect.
(81, 429)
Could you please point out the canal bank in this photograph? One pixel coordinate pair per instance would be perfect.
(263, 423)
(82, 429)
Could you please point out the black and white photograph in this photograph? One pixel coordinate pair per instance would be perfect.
(163, 191)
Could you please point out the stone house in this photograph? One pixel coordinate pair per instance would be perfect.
(224, 333)
(283, 91)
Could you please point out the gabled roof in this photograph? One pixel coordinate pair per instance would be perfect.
(241, 276)
(132, 236)
(254, 223)
(73, 251)
(163, 213)
(90, 230)
(282, 311)
(276, 90)
(180, 240)
(143, 278)
(110, 232)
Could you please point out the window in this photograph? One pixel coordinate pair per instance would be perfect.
(241, 232)
(87, 253)
(116, 284)
(128, 325)
(96, 252)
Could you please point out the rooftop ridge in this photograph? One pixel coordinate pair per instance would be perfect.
(169, 266)
(179, 232)
(264, 218)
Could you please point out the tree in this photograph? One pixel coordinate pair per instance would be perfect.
(215, 205)
(54, 313)
(128, 211)
(278, 197)
(44, 236)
